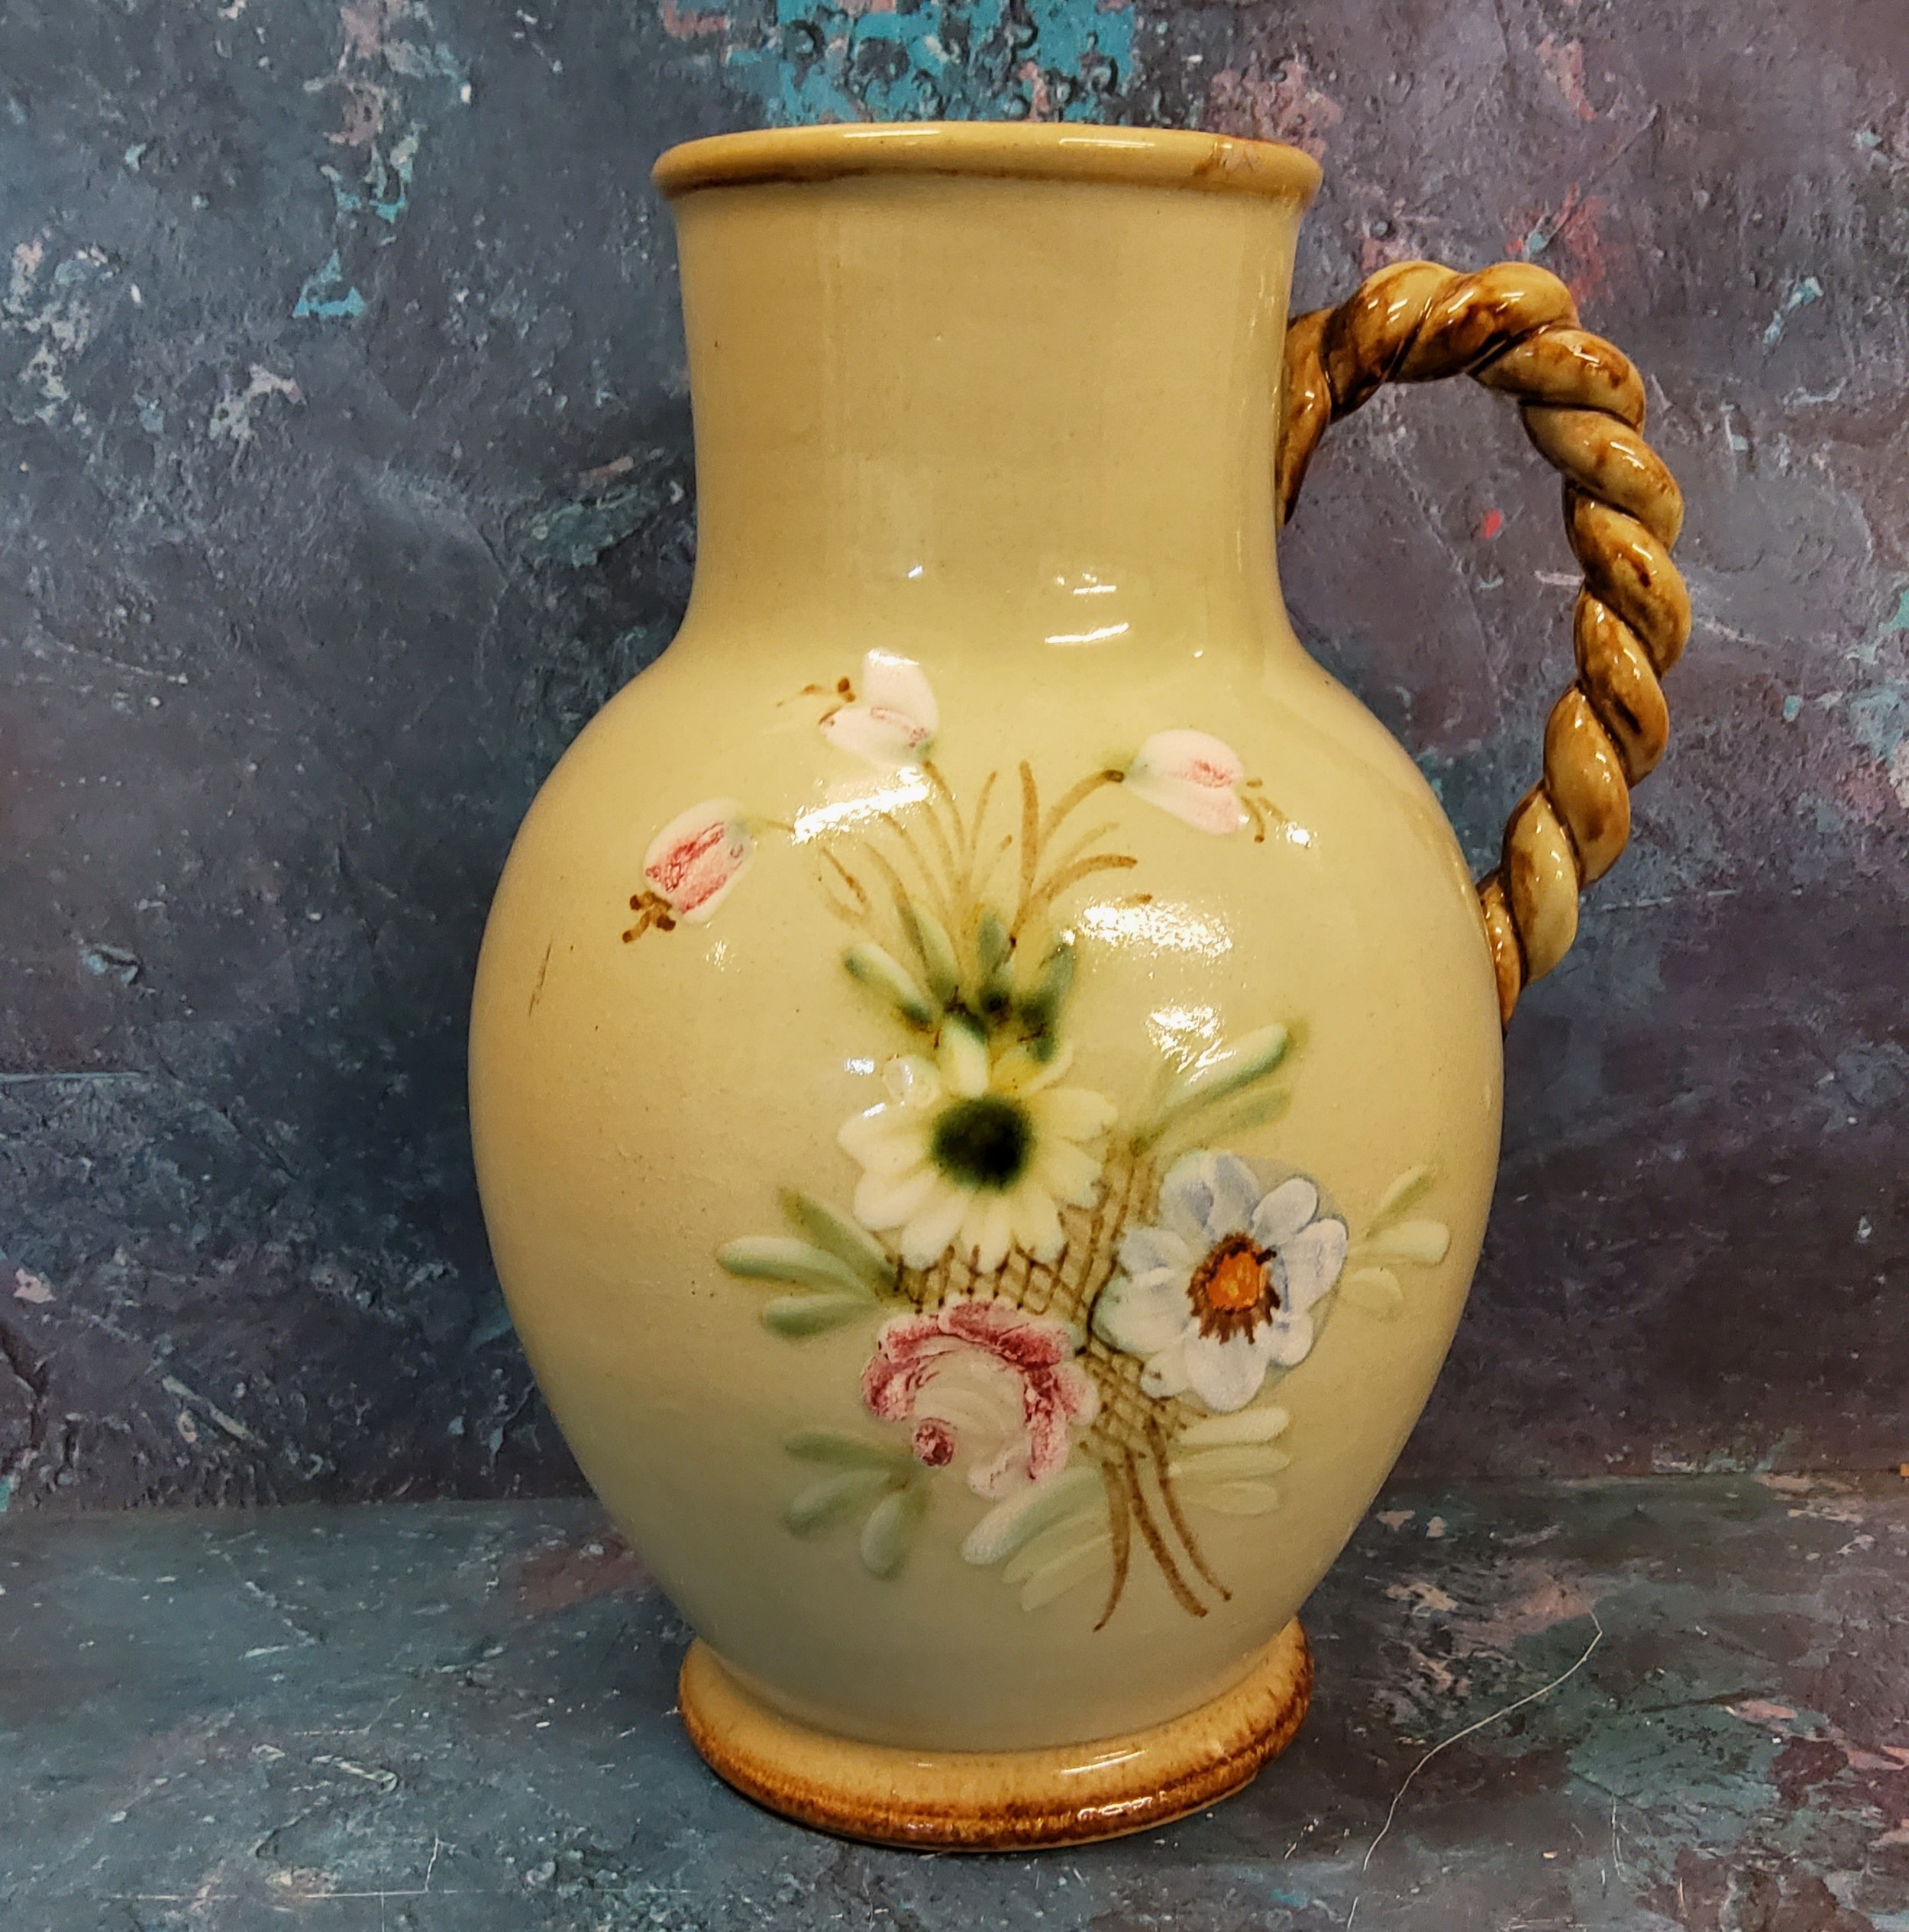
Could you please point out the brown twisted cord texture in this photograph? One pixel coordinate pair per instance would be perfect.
(1514, 327)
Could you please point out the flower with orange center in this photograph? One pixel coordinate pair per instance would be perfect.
(1220, 1291)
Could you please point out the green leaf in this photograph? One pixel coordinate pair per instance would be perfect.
(1245, 1063)
(1009, 1525)
(1408, 1188)
(994, 950)
(834, 1500)
(1227, 1121)
(1375, 1290)
(1236, 1462)
(846, 1452)
(1085, 1528)
(775, 1257)
(1056, 1578)
(795, 1316)
(889, 1533)
(832, 1231)
(1040, 1008)
(1258, 1424)
(886, 975)
(1423, 1243)
(929, 938)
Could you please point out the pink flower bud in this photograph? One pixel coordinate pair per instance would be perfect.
(697, 857)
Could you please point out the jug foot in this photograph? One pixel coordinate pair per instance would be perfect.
(997, 1800)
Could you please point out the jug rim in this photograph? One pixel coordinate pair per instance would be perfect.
(1073, 151)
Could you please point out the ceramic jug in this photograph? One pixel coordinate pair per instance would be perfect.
(985, 1068)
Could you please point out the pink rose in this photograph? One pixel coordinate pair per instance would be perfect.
(981, 1378)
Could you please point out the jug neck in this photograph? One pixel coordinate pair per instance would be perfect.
(948, 411)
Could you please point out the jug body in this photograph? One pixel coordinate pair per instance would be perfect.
(1293, 1253)
(986, 1062)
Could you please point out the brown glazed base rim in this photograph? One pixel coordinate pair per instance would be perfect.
(1005, 1801)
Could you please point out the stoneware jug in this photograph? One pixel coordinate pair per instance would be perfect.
(986, 1063)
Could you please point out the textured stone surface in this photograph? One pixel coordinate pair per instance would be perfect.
(346, 447)
(459, 1717)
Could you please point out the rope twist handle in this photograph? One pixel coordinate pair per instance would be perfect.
(1514, 328)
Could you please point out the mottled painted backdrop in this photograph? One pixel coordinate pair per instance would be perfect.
(346, 462)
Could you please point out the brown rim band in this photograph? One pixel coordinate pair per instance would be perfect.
(1013, 151)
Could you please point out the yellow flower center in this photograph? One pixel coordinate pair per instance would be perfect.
(1231, 1290)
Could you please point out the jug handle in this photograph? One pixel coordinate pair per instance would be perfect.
(1514, 327)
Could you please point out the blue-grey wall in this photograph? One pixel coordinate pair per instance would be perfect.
(344, 470)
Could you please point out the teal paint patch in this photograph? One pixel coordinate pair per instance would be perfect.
(315, 297)
(1880, 718)
(959, 61)
(577, 534)
(6, 1493)
(387, 184)
(390, 179)
(1878, 712)
(1792, 710)
(381, 121)
(111, 962)
(1801, 294)
(1708, 1773)
(344, 200)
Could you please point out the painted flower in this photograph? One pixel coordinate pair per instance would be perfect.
(896, 716)
(1222, 1290)
(694, 860)
(1193, 775)
(981, 1380)
(976, 1153)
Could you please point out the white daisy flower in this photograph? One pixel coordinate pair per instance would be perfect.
(1221, 1290)
(976, 1154)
